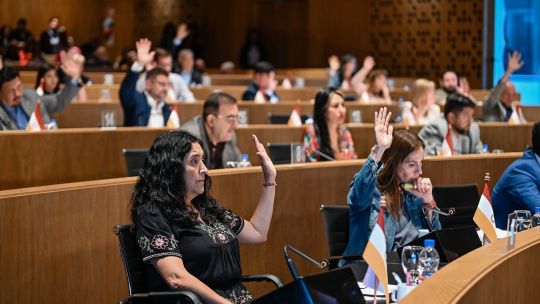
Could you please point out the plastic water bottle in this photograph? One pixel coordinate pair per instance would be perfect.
(429, 259)
(536, 217)
(244, 163)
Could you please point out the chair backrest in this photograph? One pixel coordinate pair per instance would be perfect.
(283, 119)
(134, 160)
(463, 198)
(282, 153)
(132, 259)
(336, 224)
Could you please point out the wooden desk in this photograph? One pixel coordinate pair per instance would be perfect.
(487, 275)
(62, 156)
(59, 245)
(70, 155)
(509, 138)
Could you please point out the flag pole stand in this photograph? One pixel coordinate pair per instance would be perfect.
(375, 290)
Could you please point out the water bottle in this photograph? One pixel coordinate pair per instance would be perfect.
(536, 217)
(52, 125)
(244, 163)
(429, 259)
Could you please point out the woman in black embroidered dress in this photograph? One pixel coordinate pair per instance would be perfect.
(187, 239)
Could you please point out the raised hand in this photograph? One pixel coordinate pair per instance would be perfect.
(333, 62)
(464, 87)
(269, 171)
(369, 63)
(71, 65)
(144, 55)
(182, 31)
(383, 129)
(514, 62)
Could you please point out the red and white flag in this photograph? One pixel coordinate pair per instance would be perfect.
(375, 254)
(174, 120)
(259, 97)
(35, 123)
(295, 120)
(483, 216)
(515, 118)
(447, 148)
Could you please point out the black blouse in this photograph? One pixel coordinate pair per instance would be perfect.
(210, 251)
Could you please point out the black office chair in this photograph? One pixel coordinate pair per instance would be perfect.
(283, 119)
(134, 160)
(336, 224)
(463, 198)
(134, 268)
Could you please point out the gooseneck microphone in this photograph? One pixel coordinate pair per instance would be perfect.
(294, 272)
(323, 155)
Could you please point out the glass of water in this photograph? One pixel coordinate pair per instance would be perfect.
(523, 220)
(411, 262)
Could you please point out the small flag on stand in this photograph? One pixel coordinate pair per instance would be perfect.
(483, 216)
(375, 256)
(35, 123)
(174, 120)
(295, 119)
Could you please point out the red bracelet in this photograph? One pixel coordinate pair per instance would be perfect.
(265, 184)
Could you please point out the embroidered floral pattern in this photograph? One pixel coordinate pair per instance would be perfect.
(218, 232)
(160, 242)
(144, 244)
(238, 294)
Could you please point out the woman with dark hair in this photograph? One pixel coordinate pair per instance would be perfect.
(47, 81)
(327, 138)
(187, 239)
(391, 178)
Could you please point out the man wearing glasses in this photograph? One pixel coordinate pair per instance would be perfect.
(216, 129)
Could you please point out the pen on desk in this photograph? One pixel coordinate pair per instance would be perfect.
(397, 278)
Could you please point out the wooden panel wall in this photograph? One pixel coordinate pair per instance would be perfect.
(426, 37)
(409, 38)
(81, 18)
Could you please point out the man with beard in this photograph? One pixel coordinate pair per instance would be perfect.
(455, 129)
(450, 84)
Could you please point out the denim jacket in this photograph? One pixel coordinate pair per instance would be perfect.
(363, 200)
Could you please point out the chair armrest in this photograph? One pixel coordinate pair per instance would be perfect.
(263, 278)
(160, 296)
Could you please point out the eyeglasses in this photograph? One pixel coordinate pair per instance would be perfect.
(229, 118)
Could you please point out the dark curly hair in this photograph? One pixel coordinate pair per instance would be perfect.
(161, 182)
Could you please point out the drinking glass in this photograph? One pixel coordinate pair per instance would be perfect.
(411, 262)
(523, 220)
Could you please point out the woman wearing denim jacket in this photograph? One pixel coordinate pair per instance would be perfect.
(390, 178)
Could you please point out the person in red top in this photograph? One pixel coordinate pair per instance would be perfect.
(326, 138)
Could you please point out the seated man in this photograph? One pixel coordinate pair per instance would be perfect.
(455, 132)
(178, 90)
(185, 68)
(499, 105)
(263, 86)
(519, 186)
(449, 84)
(216, 129)
(17, 105)
(149, 107)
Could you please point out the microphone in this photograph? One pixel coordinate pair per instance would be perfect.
(325, 156)
(451, 211)
(321, 264)
(294, 272)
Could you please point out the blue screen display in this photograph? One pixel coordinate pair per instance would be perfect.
(517, 27)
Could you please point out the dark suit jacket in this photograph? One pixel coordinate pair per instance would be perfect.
(252, 90)
(135, 105)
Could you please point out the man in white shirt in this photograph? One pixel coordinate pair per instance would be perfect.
(178, 89)
(147, 108)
